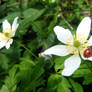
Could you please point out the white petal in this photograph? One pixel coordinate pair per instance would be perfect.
(71, 64)
(1, 35)
(90, 41)
(89, 58)
(9, 43)
(6, 25)
(58, 50)
(2, 44)
(15, 25)
(63, 34)
(84, 28)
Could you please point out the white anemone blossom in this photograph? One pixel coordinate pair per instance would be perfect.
(7, 33)
(74, 45)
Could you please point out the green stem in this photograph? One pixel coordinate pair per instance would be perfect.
(27, 49)
(21, 7)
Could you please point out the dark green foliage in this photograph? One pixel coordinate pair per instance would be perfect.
(21, 68)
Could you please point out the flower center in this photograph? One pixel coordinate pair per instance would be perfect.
(76, 43)
(6, 34)
(78, 46)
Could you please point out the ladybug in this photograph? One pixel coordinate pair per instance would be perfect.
(87, 53)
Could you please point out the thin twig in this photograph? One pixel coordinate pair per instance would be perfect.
(86, 13)
(0, 1)
(61, 15)
(87, 2)
(17, 3)
(9, 6)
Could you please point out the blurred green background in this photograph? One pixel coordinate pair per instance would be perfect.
(21, 68)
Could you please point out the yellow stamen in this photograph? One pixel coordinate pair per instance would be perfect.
(6, 34)
(78, 46)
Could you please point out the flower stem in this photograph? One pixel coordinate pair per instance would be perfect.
(27, 49)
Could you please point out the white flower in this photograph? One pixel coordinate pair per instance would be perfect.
(7, 33)
(73, 45)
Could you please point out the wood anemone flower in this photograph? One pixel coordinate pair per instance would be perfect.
(7, 33)
(74, 45)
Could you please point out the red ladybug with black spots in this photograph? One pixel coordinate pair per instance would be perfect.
(87, 53)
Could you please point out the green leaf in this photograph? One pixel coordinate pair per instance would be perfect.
(87, 79)
(30, 75)
(64, 86)
(29, 16)
(38, 27)
(4, 61)
(13, 53)
(4, 89)
(59, 63)
(53, 82)
(76, 86)
(52, 23)
(33, 14)
(84, 69)
(81, 72)
(11, 80)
